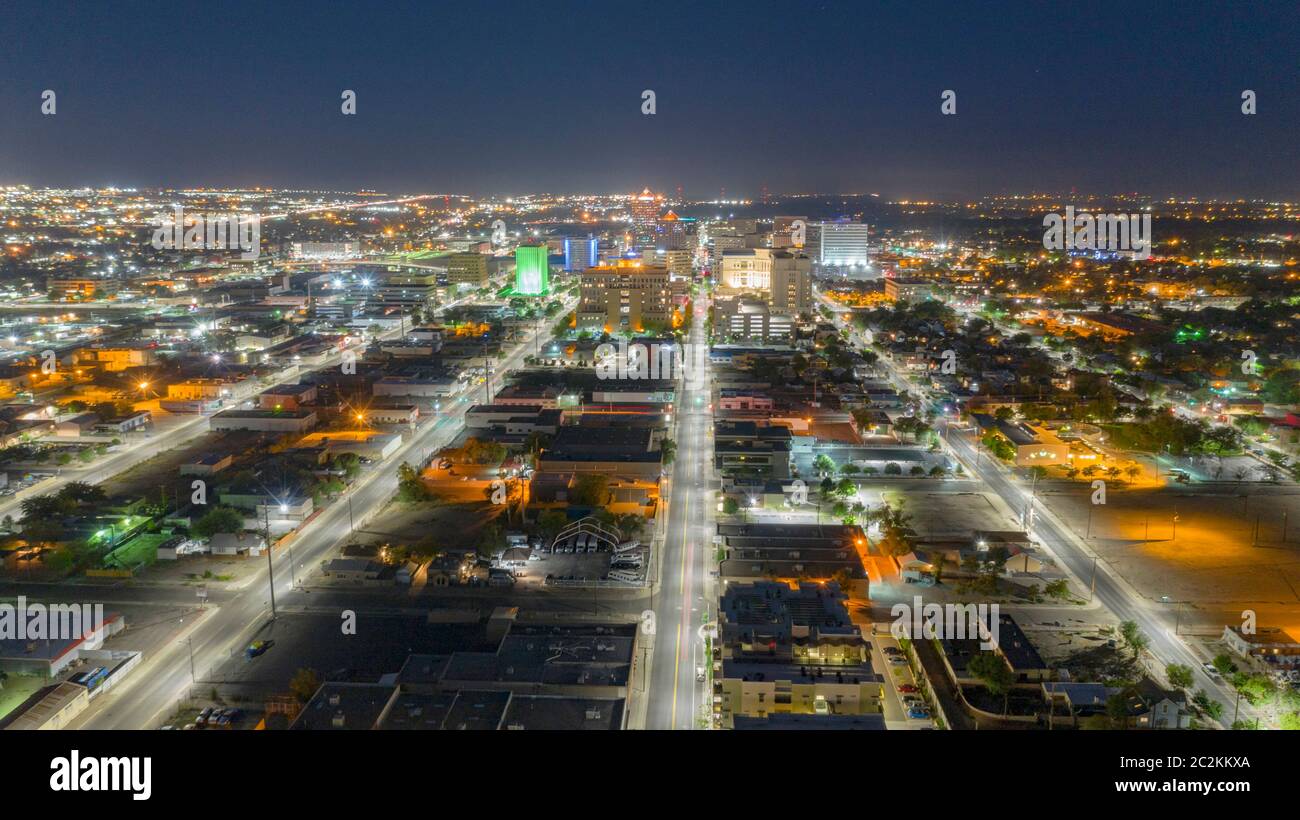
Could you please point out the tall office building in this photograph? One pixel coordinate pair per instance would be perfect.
(843, 245)
(786, 233)
(790, 292)
(532, 271)
(408, 291)
(746, 269)
(782, 278)
(581, 253)
(645, 220)
(680, 263)
(677, 232)
(627, 295)
(467, 270)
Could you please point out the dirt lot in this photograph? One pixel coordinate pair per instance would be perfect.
(1211, 559)
(434, 524)
(143, 479)
(935, 514)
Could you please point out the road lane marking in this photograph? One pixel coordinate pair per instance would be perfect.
(677, 654)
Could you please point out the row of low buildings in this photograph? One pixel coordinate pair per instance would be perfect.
(571, 677)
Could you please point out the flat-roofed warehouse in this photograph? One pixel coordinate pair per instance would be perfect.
(757, 551)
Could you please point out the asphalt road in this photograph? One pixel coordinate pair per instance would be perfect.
(681, 603)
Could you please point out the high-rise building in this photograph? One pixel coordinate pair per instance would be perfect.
(680, 263)
(467, 269)
(627, 295)
(414, 290)
(677, 232)
(745, 269)
(581, 253)
(843, 245)
(782, 278)
(645, 220)
(790, 232)
(790, 292)
(532, 270)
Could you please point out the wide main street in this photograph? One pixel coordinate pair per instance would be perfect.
(153, 689)
(681, 604)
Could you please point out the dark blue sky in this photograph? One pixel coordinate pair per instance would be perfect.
(498, 97)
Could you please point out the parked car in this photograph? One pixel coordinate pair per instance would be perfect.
(918, 713)
(908, 688)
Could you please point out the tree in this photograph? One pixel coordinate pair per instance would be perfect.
(477, 451)
(631, 524)
(349, 463)
(79, 493)
(1208, 705)
(1134, 638)
(1179, 675)
(994, 673)
(1224, 665)
(1058, 589)
(1117, 708)
(893, 469)
(304, 684)
(218, 519)
(550, 522)
(409, 486)
(823, 464)
(590, 490)
(43, 508)
(940, 561)
(730, 506)
(668, 451)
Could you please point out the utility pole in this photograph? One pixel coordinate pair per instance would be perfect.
(190, 641)
(1092, 588)
(270, 568)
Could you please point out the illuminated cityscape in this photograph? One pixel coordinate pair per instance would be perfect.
(652, 423)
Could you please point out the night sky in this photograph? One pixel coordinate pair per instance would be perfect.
(543, 95)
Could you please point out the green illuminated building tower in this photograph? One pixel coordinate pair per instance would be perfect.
(532, 275)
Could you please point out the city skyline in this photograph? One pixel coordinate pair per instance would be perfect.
(614, 371)
(1036, 106)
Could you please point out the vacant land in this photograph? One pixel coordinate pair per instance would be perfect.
(1213, 550)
